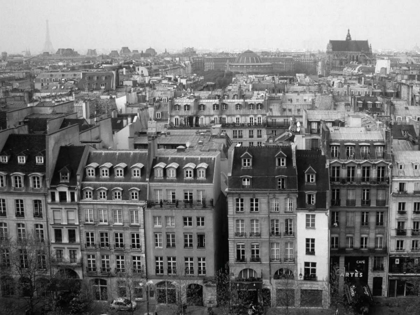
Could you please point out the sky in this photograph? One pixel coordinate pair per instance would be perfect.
(218, 25)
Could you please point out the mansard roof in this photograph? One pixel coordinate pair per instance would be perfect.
(69, 158)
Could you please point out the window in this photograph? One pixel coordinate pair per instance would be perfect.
(3, 231)
(246, 182)
(134, 194)
(36, 182)
(158, 240)
(240, 227)
(289, 252)
(334, 242)
(380, 218)
(90, 239)
(401, 207)
(189, 266)
(64, 177)
(171, 196)
(2, 181)
(21, 231)
(334, 151)
(189, 173)
(255, 227)
(72, 256)
(20, 209)
(188, 221)
(170, 240)
(310, 178)
(157, 221)
(350, 152)
(104, 239)
(104, 172)
(240, 134)
(275, 251)
(255, 252)
(246, 162)
(365, 173)
(254, 205)
(259, 133)
(349, 241)
(378, 263)
(88, 215)
(21, 159)
(416, 207)
(102, 195)
(135, 240)
(201, 266)
(351, 171)
(416, 227)
(335, 173)
(171, 265)
(310, 221)
(251, 133)
(4, 158)
(275, 205)
(281, 162)
(91, 263)
(71, 236)
(170, 221)
(363, 242)
(289, 205)
(237, 120)
(239, 204)
(415, 245)
(281, 183)
(103, 216)
(37, 208)
(380, 173)
(310, 269)
(136, 172)
(188, 195)
(188, 240)
(119, 172)
(288, 227)
(17, 181)
(137, 266)
(117, 195)
(240, 252)
(39, 232)
(201, 173)
(275, 227)
(200, 221)
(379, 240)
(57, 216)
(87, 194)
(400, 245)
(365, 218)
(158, 172)
(365, 197)
(310, 198)
(120, 263)
(334, 218)
(310, 246)
(201, 240)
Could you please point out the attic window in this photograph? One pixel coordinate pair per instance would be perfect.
(238, 106)
(90, 172)
(104, 172)
(119, 172)
(186, 107)
(39, 160)
(416, 166)
(21, 159)
(202, 107)
(64, 177)
(400, 166)
(281, 161)
(246, 182)
(259, 106)
(310, 178)
(224, 106)
(4, 158)
(246, 162)
(158, 115)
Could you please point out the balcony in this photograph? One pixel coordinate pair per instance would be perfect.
(310, 206)
(170, 204)
(402, 212)
(275, 259)
(380, 203)
(310, 252)
(365, 203)
(91, 270)
(119, 246)
(351, 202)
(240, 260)
(335, 179)
(105, 271)
(20, 214)
(401, 232)
(378, 268)
(415, 232)
(275, 233)
(104, 246)
(382, 180)
(311, 277)
(240, 234)
(255, 234)
(136, 247)
(351, 180)
(289, 260)
(416, 212)
(38, 215)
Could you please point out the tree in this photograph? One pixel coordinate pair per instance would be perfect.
(25, 270)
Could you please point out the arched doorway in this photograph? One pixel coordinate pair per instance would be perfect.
(247, 273)
(100, 289)
(166, 292)
(195, 294)
(248, 290)
(67, 273)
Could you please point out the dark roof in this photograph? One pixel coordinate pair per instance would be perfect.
(37, 125)
(263, 170)
(397, 132)
(69, 157)
(117, 123)
(312, 160)
(130, 158)
(349, 45)
(33, 145)
(83, 124)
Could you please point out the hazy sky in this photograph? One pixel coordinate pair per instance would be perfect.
(206, 24)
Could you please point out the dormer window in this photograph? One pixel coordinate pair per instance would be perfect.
(246, 182)
(171, 170)
(259, 106)
(102, 194)
(280, 159)
(17, 181)
(4, 159)
(104, 172)
(416, 166)
(158, 115)
(224, 106)
(189, 170)
(238, 106)
(134, 193)
(64, 177)
(21, 159)
(310, 178)
(400, 166)
(215, 106)
(87, 193)
(202, 107)
(119, 172)
(251, 106)
(186, 108)
(201, 170)
(117, 194)
(158, 169)
(281, 183)
(246, 162)
(177, 107)
(310, 198)
(90, 172)
(36, 182)
(39, 160)
(350, 151)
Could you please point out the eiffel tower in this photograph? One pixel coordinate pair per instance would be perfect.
(48, 47)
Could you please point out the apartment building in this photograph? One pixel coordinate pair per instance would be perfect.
(111, 205)
(404, 224)
(360, 160)
(185, 231)
(262, 195)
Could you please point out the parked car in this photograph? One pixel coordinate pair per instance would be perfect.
(123, 304)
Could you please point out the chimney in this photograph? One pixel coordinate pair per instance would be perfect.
(151, 152)
(294, 154)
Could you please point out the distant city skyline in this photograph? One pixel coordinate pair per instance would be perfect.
(214, 25)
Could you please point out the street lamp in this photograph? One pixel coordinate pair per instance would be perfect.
(147, 286)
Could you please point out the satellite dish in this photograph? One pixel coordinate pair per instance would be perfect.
(188, 144)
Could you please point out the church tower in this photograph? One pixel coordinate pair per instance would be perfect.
(348, 37)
